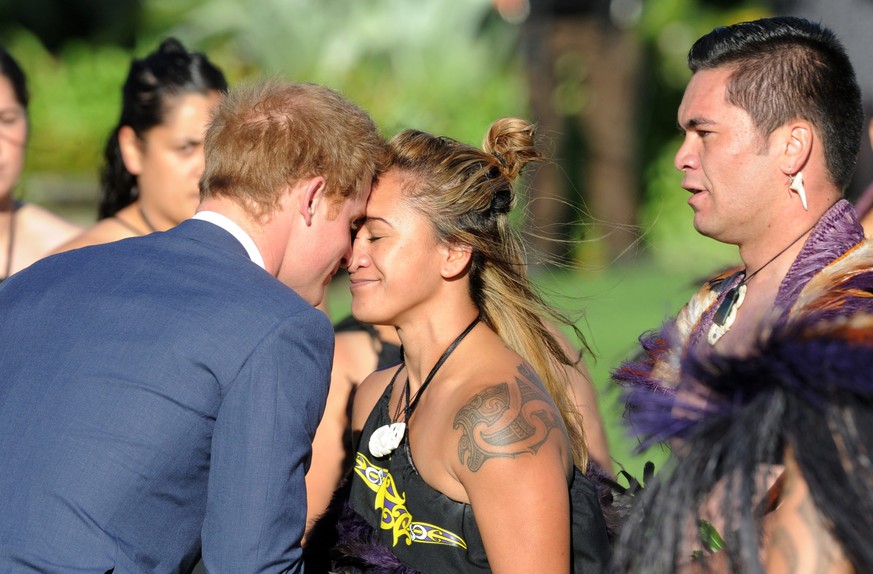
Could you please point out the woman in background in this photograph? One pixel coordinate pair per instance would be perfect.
(472, 450)
(154, 156)
(360, 349)
(27, 231)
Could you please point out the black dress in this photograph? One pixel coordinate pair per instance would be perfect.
(430, 532)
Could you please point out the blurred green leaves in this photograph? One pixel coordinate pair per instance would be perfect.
(446, 66)
(74, 101)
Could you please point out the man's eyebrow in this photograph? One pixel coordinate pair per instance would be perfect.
(694, 123)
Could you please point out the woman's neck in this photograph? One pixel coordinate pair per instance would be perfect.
(424, 341)
(150, 218)
(387, 333)
(7, 236)
(137, 220)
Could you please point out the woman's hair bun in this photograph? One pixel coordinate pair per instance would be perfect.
(512, 143)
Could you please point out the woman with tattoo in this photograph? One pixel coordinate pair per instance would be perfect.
(470, 451)
(359, 350)
(800, 405)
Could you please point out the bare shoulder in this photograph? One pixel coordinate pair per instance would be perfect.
(104, 231)
(567, 345)
(501, 430)
(44, 227)
(506, 414)
(354, 356)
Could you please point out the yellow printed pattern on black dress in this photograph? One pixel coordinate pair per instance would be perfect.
(395, 516)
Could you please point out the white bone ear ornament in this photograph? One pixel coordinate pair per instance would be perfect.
(797, 186)
(386, 439)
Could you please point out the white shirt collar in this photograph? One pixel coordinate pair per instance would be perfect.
(231, 227)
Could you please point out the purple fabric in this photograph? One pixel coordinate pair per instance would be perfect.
(655, 346)
(813, 357)
(837, 231)
(657, 412)
(359, 550)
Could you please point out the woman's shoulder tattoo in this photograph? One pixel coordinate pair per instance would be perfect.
(506, 420)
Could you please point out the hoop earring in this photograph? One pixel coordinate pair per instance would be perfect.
(797, 186)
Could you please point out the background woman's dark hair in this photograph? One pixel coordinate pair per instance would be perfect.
(168, 72)
(10, 68)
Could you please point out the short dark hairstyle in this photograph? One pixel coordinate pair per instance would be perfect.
(787, 68)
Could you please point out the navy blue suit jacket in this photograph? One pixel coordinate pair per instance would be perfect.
(154, 391)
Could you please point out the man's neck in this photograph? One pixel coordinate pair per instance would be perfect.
(780, 244)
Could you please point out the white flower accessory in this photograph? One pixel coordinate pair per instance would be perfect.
(386, 439)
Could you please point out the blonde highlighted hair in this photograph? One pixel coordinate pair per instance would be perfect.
(270, 135)
(468, 193)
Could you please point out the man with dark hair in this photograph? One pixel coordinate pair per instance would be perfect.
(772, 120)
(160, 394)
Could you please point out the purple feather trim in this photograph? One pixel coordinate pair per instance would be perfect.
(836, 232)
(811, 357)
(360, 551)
(648, 400)
(637, 372)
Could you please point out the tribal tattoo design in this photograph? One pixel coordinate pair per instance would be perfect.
(506, 420)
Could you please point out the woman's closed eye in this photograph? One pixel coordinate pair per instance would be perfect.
(364, 235)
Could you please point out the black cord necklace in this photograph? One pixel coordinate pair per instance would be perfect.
(148, 223)
(726, 313)
(387, 438)
(135, 229)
